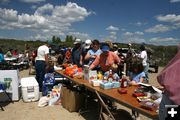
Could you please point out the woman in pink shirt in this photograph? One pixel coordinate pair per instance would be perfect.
(106, 60)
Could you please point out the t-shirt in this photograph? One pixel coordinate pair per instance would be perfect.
(106, 62)
(75, 56)
(41, 52)
(83, 54)
(1, 57)
(137, 77)
(93, 52)
(143, 55)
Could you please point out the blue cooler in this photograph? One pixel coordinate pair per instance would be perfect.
(48, 83)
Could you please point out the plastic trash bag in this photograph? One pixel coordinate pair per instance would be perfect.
(43, 101)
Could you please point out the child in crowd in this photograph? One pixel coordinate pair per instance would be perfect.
(138, 75)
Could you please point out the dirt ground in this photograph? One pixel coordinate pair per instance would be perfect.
(30, 111)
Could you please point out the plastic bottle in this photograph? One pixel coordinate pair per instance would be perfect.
(100, 76)
(110, 77)
(124, 82)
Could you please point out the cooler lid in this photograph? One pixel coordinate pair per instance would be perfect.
(28, 81)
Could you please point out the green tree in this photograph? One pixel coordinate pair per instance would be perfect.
(56, 40)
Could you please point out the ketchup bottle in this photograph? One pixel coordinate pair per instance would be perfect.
(124, 82)
(110, 77)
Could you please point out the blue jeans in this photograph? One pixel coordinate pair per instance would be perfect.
(162, 110)
(146, 68)
(40, 66)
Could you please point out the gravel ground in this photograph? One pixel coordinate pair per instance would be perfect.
(30, 111)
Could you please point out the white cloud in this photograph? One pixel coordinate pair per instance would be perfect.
(140, 23)
(82, 36)
(32, 1)
(113, 33)
(158, 28)
(164, 41)
(137, 33)
(113, 37)
(173, 1)
(112, 28)
(133, 40)
(159, 39)
(47, 19)
(8, 15)
(33, 7)
(128, 34)
(44, 10)
(123, 29)
(172, 19)
(169, 18)
(133, 37)
(27, 19)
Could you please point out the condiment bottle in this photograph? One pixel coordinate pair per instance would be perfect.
(100, 76)
(124, 82)
(110, 77)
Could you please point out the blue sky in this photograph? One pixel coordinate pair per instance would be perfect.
(136, 21)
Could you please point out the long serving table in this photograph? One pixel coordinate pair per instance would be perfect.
(126, 100)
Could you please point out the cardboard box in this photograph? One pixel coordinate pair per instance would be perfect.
(96, 82)
(109, 85)
(106, 85)
(116, 84)
(71, 100)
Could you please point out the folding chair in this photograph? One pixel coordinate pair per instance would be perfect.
(118, 114)
(103, 105)
(3, 90)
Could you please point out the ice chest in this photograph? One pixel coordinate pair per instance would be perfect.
(30, 89)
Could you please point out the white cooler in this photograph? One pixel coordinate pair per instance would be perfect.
(30, 89)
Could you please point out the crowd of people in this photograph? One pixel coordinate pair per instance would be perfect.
(98, 56)
(104, 57)
(15, 59)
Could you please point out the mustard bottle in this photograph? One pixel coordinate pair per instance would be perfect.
(100, 76)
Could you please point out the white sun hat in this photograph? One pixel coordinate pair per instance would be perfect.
(88, 43)
(77, 41)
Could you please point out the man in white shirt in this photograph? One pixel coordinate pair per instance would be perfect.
(41, 62)
(144, 57)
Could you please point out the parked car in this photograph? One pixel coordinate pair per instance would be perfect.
(153, 64)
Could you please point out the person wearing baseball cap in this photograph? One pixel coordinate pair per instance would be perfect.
(77, 41)
(107, 60)
(76, 52)
(88, 43)
(93, 52)
(86, 47)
